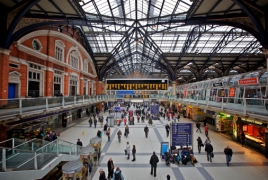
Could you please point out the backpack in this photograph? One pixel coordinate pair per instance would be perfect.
(118, 176)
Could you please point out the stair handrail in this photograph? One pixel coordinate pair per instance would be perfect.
(26, 142)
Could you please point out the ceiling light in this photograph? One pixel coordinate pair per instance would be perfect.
(187, 67)
(211, 67)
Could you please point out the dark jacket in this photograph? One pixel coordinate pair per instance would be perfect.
(146, 129)
(105, 127)
(198, 125)
(228, 152)
(109, 165)
(102, 176)
(133, 151)
(79, 143)
(199, 141)
(167, 127)
(154, 160)
(209, 148)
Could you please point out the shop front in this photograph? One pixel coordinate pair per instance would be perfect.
(255, 132)
(224, 123)
(194, 113)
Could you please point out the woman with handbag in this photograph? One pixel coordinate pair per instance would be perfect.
(110, 165)
(199, 144)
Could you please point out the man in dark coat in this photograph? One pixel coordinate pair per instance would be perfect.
(102, 175)
(146, 130)
(153, 161)
(209, 150)
(198, 127)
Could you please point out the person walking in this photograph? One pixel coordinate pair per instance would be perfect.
(134, 152)
(95, 121)
(125, 121)
(178, 117)
(118, 174)
(153, 161)
(119, 134)
(101, 121)
(243, 139)
(127, 150)
(90, 121)
(207, 141)
(199, 144)
(108, 134)
(105, 127)
(126, 131)
(102, 175)
(205, 121)
(206, 130)
(229, 153)
(110, 165)
(79, 143)
(209, 150)
(167, 129)
(146, 130)
(198, 127)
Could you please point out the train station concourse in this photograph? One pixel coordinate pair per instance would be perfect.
(81, 78)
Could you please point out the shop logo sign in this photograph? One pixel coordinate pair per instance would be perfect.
(217, 84)
(248, 81)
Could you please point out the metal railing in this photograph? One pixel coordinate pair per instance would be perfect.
(25, 157)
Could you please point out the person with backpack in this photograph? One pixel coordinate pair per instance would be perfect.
(118, 174)
(146, 130)
(153, 161)
(229, 153)
(90, 122)
(209, 150)
(198, 127)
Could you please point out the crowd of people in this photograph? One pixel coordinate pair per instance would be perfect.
(181, 155)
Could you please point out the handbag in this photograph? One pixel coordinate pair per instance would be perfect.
(202, 145)
(212, 155)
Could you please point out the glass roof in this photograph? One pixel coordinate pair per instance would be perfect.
(133, 33)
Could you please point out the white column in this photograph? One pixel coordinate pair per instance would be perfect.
(173, 84)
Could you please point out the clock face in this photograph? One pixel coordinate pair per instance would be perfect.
(36, 45)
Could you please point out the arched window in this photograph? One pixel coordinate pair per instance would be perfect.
(74, 59)
(59, 50)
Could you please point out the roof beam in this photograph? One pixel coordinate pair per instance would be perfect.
(215, 5)
(57, 7)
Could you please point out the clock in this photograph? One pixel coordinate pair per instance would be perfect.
(36, 45)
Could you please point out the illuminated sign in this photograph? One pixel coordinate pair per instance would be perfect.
(252, 121)
(217, 84)
(248, 81)
(232, 92)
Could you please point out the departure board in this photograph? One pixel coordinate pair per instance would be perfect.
(136, 85)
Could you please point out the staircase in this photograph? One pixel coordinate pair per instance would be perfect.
(33, 159)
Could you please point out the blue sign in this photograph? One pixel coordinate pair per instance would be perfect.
(181, 134)
(154, 109)
(164, 148)
(116, 108)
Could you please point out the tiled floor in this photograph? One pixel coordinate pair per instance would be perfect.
(246, 164)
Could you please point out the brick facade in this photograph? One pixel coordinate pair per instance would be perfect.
(41, 66)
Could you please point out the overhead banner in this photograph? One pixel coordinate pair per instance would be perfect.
(181, 134)
(248, 81)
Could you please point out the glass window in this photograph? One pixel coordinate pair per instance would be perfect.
(85, 66)
(74, 61)
(59, 53)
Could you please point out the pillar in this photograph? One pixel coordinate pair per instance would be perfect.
(81, 93)
(99, 92)
(173, 85)
(265, 52)
(49, 83)
(4, 71)
(66, 84)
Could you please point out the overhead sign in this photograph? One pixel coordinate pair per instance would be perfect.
(248, 81)
(154, 109)
(181, 134)
(153, 100)
(119, 100)
(217, 84)
(116, 108)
